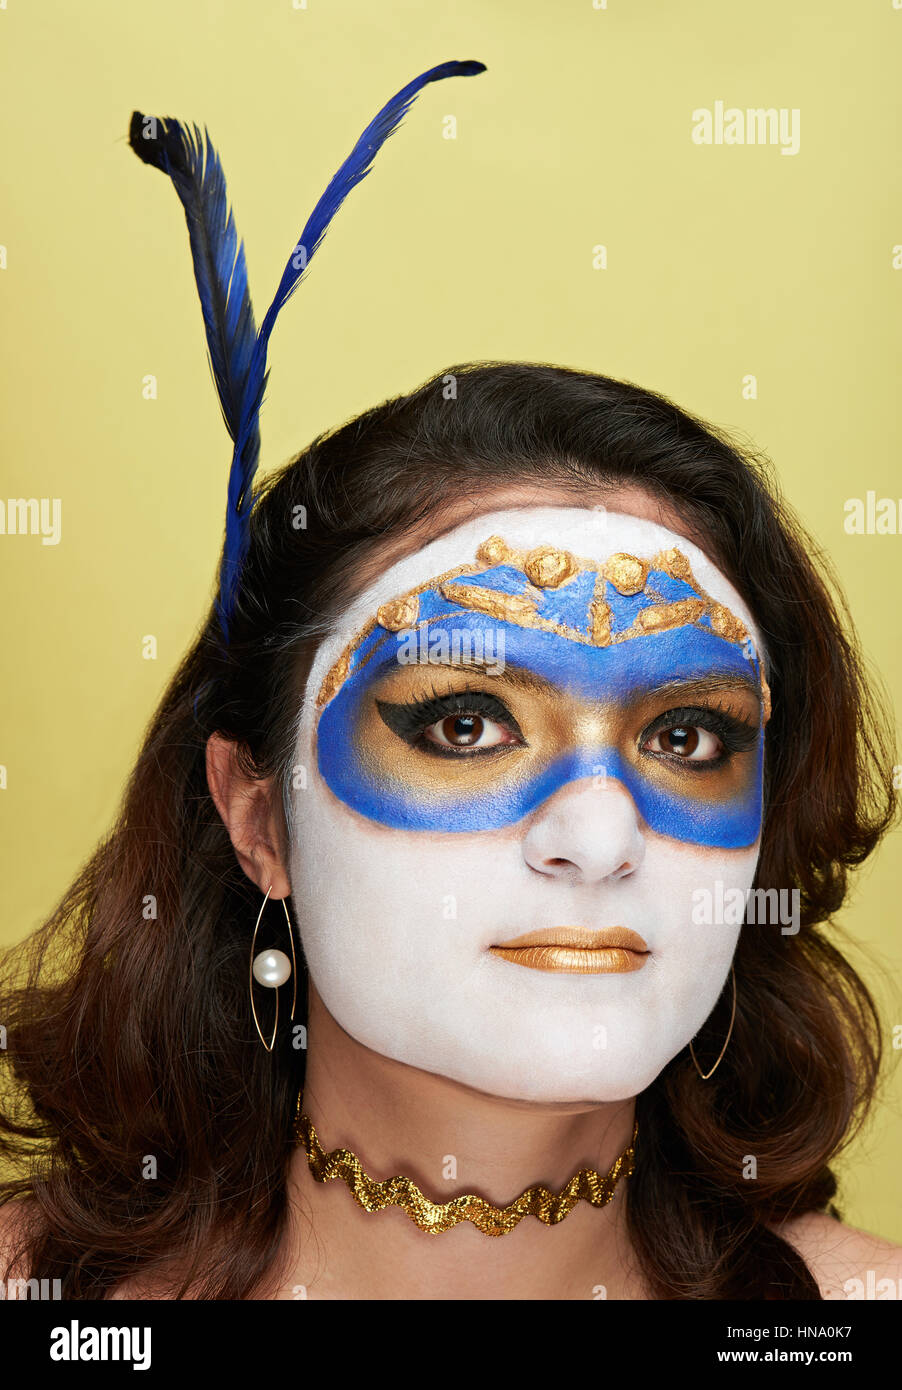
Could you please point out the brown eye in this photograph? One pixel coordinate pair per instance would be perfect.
(466, 731)
(679, 740)
(686, 741)
(461, 729)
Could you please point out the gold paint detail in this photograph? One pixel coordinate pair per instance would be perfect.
(335, 678)
(726, 624)
(496, 551)
(676, 564)
(601, 623)
(435, 1217)
(399, 613)
(507, 608)
(627, 573)
(664, 616)
(547, 567)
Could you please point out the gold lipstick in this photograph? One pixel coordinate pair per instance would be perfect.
(613, 950)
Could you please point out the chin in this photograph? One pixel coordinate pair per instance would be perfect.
(550, 1080)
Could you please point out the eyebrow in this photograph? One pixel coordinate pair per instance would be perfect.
(700, 686)
(520, 676)
(709, 685)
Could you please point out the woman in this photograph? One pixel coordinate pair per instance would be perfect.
(544, 683)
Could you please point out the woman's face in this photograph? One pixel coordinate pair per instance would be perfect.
(533, 756)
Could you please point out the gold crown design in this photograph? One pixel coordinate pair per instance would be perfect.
(549, 567)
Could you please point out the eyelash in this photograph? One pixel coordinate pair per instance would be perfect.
(411, 720)
(735, 733)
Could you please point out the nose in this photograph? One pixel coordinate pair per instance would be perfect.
(586, 832)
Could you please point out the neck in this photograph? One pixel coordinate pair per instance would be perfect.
(449, 1140)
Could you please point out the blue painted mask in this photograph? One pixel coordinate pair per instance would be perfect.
(593, 643)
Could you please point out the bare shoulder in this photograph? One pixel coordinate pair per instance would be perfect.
(18, 1219)
(846, 1262)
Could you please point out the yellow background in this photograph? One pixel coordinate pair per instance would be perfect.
(722, 261)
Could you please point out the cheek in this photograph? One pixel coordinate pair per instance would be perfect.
(389, 890)
(394, 927)
(695, 900)
(694, 882)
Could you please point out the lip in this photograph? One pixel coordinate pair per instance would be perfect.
(574, 950)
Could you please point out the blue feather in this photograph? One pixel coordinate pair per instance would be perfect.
(219, 265)
(237, 352)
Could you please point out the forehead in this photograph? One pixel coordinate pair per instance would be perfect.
(594, 533)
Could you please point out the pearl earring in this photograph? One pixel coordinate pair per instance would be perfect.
(272, 969)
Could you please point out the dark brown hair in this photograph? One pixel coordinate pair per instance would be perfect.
(131, 1034)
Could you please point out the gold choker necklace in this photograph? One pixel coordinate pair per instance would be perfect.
(435, 1217)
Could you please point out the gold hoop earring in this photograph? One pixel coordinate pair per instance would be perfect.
(272, 969)
(705, 1074)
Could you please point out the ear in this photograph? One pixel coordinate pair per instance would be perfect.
(250, 809)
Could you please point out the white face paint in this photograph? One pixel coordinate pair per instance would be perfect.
(397, 922)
